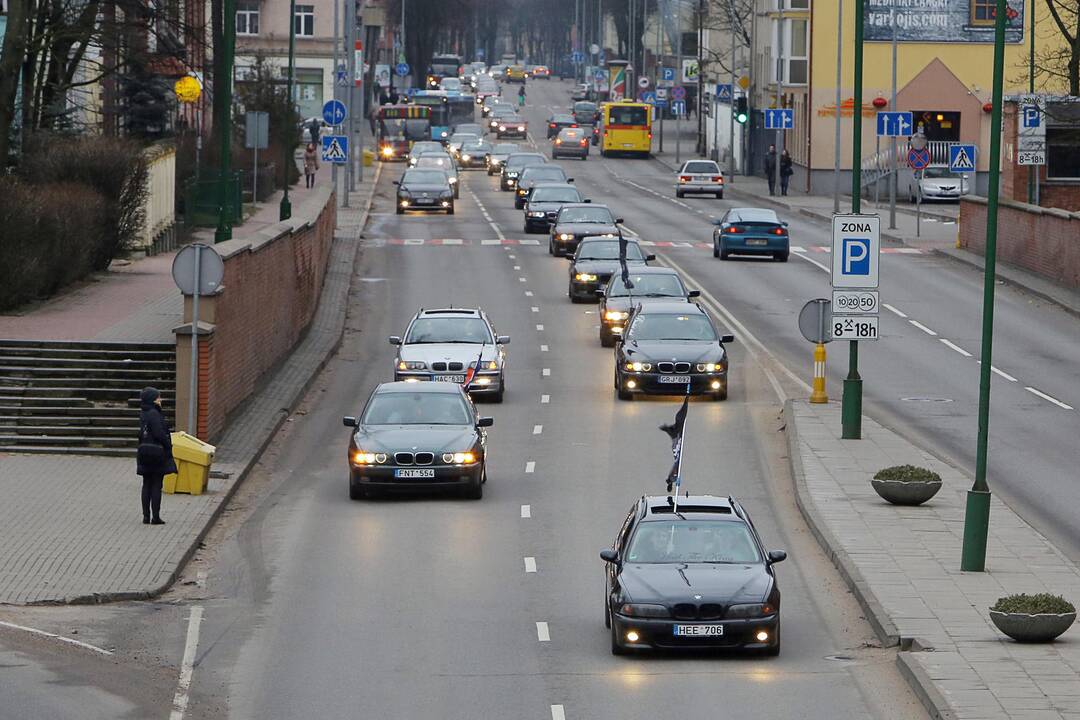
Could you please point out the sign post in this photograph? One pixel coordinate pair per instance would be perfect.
(197, 270)
(1031, 144)
(815, 324)
(918, 159)
(256, 137)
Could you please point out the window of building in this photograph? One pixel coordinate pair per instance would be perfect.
(791, 4)
(982, 12)
(793, 68)
(247, 18)
(304, 20)
(1062, 153)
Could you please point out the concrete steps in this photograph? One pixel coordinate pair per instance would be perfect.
(79, 397)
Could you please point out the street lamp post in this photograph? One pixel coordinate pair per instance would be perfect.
(839, 81)
(224, 86)
(977, 512)
(285, 208)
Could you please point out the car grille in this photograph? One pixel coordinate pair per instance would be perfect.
(667, 367)
(443, 367)
(690, 611)
(408, 458)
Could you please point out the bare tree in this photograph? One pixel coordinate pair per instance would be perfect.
(1062, 62)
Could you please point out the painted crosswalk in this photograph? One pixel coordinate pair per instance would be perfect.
(673, 244)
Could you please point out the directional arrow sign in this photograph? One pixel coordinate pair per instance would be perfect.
(961, 158)
(779, 119)
(894, 124)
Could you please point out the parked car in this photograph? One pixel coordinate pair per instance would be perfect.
(937, 183)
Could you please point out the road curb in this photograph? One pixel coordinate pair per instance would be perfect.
(883, 626)
(924, 688)
(247, 463)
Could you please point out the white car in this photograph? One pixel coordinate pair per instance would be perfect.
(699, 177)
(937, 183)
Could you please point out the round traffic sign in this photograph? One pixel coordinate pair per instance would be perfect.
(334, 112)
(211, 269)
(402, 69)
(815, 321)
(678, 93)
(918, 159)
(643, 82)
(744, 82)
(661, 93)
(594, 48)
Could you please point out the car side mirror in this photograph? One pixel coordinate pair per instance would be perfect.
(611, 556)
(486, 422)
(569, 180)
(693, 293)
(502, 340)
(395, 339)
(587, 200)
(717, 221)
(618, 221)
(599, 292)
(776, 556)
(727, 338)
(396, 182)
(650, 258)
(349, 421)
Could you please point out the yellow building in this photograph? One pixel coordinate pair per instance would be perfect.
(944, 73)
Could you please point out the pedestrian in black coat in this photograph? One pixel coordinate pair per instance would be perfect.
(786, 171)
(770, 169)
(154, 457)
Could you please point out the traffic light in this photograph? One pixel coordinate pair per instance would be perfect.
(741, 112)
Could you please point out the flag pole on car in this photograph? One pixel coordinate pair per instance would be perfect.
(471, 373)
(677, 432)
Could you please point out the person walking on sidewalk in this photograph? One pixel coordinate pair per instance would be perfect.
(786, 171)
(311, 165)
(521, 96)
(770, 169)
(154, 458)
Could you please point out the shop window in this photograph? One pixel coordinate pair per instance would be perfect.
(1062, 153)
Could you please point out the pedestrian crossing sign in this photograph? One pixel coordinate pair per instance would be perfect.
(335, 149)
(961, 158)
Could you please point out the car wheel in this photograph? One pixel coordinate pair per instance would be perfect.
(679, 193)
(607, 339)
(355, 491)
(607, 612)
(616, 645)
(400, 210)
(623, 394)
(498, 397)
(450, 210)
(724, 254)
(457, 191)
(475, 490)
(782, 256)
(528, 229)
(715, 249)
(774, 651)
(551, 245)
(719, 196)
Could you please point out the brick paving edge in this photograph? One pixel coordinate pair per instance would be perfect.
(246, 464)
(921, 683)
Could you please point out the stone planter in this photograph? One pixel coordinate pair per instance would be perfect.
(902, 492)
(1023, 627)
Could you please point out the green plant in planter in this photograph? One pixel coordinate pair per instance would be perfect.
(908, 473)
(1038, 604)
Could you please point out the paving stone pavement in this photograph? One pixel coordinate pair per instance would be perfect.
(75, 534)
(903, 565)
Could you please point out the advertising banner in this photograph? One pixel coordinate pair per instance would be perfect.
(937, 21)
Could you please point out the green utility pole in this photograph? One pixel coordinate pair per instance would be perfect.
(285, 208)
(977, 514)
(1033, 170)
(851, 407)
(224, 85)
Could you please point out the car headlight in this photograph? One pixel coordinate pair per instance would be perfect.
(466, 158)
(644, 610)
(443, 134)
(638, 366)
(616, 315)
(752, 610)
(709, 367)
(360, 457)
(388, 151)
(459, 458)
(411, 365)
(585, 277)
(496, 162)
(502, 128)
(521, 128)
(537, 214)
(453, 180)
(566, 236)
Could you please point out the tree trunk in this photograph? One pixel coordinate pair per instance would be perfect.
(11, 59)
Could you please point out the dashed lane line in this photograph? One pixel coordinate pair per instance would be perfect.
(557, 712)
(543, 348)
(530, 564)
(537, 429)
(526, 511)
(545, 399)
(893, 310)
(539, 327)
(922, 327)
(528, 293)
(1003, 374)
(1048, 398)
(530, 466)
(542, 632)
(535, 309)
(547, 372)
(953, 346)
(187, 664)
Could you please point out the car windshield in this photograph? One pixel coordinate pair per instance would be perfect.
(476, 148)
(469, 129)
(648, 285)
(433, 161)
(426, 146)
(555, 195)
(753, 215)
(568, 134)
(563, 119)
(449, 330)
(607, 250)
(464, 138)
(504, 149)
(701, 167)
(626, 115)
(516, 163)
(416, 408)
(586, 215)
(450, 84)
(939, 173)
(424, 177)
(584, 107)
(541, 174)
(669, 326)
(692, 541)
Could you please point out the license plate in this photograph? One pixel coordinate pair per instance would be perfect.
(628, 144)
(675, 379)
(756, 241)
(424, 201)
(414, 473)
(699, 630)
(459, 379)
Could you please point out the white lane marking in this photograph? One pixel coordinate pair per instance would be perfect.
(540, 327)
(1003, 374)
(535, 309)
(812, 261)
(54, 636)
(922, 327)
(557, 712)
(543, 348)
(893, 310)
(797, 249)
(547, 372)
(542, 633)
(630, 232)
(517, 267)
(521, 279)
(530, 466)
(526, 511)
(512, 256)
(528, 293)
(750, 338)
(545, 399)
(530, 564)
(453, 241)
(1044, 396)
(537, 429)
(187, 665)
(955, 347)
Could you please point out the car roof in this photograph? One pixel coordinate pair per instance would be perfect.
(450, 312)
(660, 507)
(526, 154)
(665, 307)
(563, 116)
(546, 167)
(547, 184)
(433, 388)
(606, 237)
(652, 269)
(585, 205)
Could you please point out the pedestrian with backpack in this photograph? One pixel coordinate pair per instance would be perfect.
(154, 458)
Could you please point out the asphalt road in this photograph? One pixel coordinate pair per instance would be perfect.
(425, 607)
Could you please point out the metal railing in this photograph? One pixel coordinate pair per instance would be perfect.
(878, 166)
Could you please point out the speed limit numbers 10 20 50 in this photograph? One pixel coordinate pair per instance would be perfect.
(855, 302)
(857, 327)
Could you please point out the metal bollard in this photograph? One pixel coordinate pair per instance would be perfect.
(818, 395)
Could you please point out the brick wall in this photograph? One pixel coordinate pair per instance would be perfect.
(1014, 178)
(269, 294)
(1045, 241)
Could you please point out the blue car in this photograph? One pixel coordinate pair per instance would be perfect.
(751, 231)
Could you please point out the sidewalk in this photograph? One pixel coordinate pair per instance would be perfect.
(902, 564)
(74, 535)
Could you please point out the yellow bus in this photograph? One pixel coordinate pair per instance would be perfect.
(626, 127)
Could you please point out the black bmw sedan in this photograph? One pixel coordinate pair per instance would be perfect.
(595, 261)
(417, 435)
(543, 203)
(671, 348)
(575, 222)
(692, 576)
(650, 284)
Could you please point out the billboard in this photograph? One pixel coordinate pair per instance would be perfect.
(940, 21)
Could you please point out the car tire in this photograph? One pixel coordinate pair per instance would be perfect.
(607, 610)
(606, 339)
(679, 194)
(457, 191)
(355, 491)
(715, 250)
(724, 254)
(528, 229)
(400, 210)
(551, 245)
(498, 397)
(782, 256)
(719, 196)
(616, 646)
(622, 394)
(475, 491)
(773, 651)
(450, 210)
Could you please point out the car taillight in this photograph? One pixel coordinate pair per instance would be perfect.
(573, 125)
(650, 136)
(779, 231)
(558, 141)
(733, 229)
(551, 125)
(717, 178)
(684, 178)
(584, 143)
